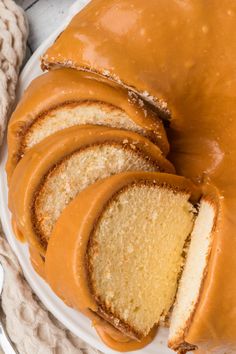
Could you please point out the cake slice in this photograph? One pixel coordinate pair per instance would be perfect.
(54, 171)
(124, 250)
(64, 98)
(193, 277)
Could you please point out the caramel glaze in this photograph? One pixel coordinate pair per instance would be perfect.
(123, 343)
(39, 160)
(37, 261)
(69, 279)
(56, 88)
(183, 53)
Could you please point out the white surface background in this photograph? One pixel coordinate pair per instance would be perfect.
(44, 17)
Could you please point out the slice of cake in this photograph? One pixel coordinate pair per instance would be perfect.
(64, 98)
(124, 249)
(54, 171)
(193, 277)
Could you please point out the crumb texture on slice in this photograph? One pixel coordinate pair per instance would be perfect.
(135, 254)
(80, 113)
(193, 275)
(75, 173)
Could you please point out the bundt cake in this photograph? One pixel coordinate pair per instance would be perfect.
(66, 97)
(125, 64)
(51, 173)
(180, 56)
(127, 241)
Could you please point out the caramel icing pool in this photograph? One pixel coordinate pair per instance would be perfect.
(184, 53)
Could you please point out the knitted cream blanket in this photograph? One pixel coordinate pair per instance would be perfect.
(13, 35)
(30, 326)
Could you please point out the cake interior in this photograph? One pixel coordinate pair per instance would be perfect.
(77, 113)
(193, 274)
(77, 171)
(135, 255)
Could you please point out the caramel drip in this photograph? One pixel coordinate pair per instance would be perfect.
(18, 234)
(123, 344)
(182, 53)
(37, 261)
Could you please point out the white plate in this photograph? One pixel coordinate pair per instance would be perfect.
(72, 319)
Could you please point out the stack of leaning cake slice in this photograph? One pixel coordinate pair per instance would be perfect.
(64, 98)
(54, 171)
(109, 224)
